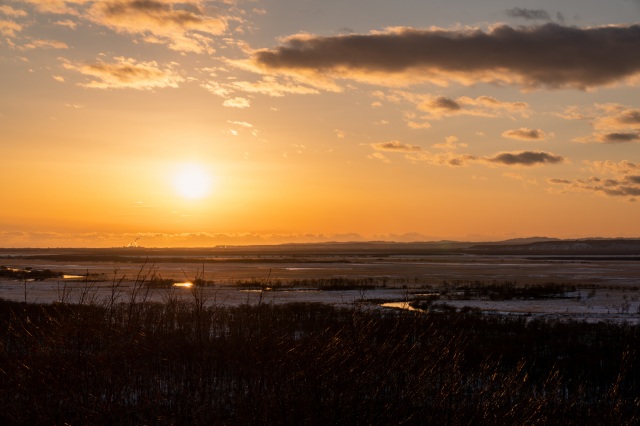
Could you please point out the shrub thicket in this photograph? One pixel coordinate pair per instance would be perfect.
(192, 363)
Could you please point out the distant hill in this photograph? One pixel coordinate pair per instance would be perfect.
(518, 246)
(562, 247)
(528, 240)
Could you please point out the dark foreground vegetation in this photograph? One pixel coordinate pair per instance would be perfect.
(189, 363)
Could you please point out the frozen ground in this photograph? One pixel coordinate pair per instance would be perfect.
(605, 289)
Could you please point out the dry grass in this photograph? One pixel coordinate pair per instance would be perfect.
(135, 362)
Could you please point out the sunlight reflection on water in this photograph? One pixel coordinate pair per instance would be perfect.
(400, 305)
(186, 284)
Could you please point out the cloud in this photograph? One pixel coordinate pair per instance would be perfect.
(450, 159)
(379, 156)
(57, 6)
(613, 168)
(216, 88)
(67, 23)
(550, 56)
(46, 44)
(181, 25)
(127, 73)
(612, 123)
(10, 11)
(177, 23)
(610, 179)
(448, 155)
(241, 124)
(237, 103)
(525, 134)
(558, 181)
(618, 137)
(9, 28)
(525, 158)
(415, 125)
(444, 103)
(450, 144)
(395, 146)
(629, 117)
(440, 107)
(529, 14)
(270, 86)
(616, 116)
(416, 154)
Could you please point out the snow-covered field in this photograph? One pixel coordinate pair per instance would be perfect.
(604, 289)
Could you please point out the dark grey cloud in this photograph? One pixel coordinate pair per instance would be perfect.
(445, 103)
(529, 14)
(622, 191)
(395, 146)
(550, 55)
(558, 181)
(620, 137)
(635, 179)
(525, 158)
(631, 116)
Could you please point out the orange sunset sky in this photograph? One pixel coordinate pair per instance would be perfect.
(200, 123)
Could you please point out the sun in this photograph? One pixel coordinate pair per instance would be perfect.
(192, 181)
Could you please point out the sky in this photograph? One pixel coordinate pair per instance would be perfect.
(204, 123)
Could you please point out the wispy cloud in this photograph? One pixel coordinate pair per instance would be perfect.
(272, 87)
(395, 146)
(531, 14)
(237, 103)
(426, 107)
(9, 28)
(241, 124)
(612, 123)
(550, 56)
(181, 25)
(127, 73)
(610, 179)
(447, 154)
(378, 156)
(58, 6)
(67, 23)
(10, 11)
(482, 106)
(46, 44)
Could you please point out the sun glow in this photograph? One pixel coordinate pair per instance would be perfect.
(192, 181)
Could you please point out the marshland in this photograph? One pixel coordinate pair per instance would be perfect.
(317, 338)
